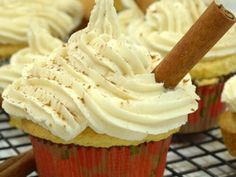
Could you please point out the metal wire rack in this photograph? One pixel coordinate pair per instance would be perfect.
(197, 155)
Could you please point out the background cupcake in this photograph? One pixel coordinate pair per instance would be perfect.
(165, 23)
(16, 16)
(130, 14)
(38, 50)
(227, 120)
(94, 108)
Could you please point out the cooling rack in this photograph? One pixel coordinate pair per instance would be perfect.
(197, 155)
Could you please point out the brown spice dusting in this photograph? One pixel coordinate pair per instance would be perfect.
(48, 104)
(185, 81)
(84, 73)
(113, 82)
(50, 125)
(124, 90)
(153, 56)
(82, 100)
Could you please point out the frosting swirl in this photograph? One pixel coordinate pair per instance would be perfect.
(229, 95)
(39, 49)
(107, 85)
(16, 16)
(167, 21)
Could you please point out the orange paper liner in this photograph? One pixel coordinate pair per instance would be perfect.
(1, 101)
(144, 160)
(209, 109)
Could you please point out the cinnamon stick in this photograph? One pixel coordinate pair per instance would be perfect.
(18, 166)
(201, 37)
(144, 4)
(87, 7)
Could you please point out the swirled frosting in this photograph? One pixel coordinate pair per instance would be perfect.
(17, 15)
(229, 94)
(167, 21)
(102, 80)
(41, 43)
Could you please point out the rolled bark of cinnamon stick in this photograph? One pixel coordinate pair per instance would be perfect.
(144, 4)
(18, 166)
(201, 37)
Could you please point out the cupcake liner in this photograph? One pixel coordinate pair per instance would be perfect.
(1, 101)
(209, 109)
(144, 160)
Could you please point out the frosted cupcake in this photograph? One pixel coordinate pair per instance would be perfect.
(94, 108)
(38, 50)
(17, 15)
(164, 25)
(228, 119)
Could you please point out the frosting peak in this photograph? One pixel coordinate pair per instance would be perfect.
(104, 19)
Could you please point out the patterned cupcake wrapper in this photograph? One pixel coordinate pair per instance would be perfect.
(209, 109)
(144, 160)
(1, 101)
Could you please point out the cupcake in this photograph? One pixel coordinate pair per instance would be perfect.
(17, 15)
(227, 120)
(164, 24)
(38, 50)
(94, 108)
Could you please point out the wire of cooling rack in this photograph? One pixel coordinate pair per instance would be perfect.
(196, 155)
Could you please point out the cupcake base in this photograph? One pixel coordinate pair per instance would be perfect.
(227, 125)
(144, 160)
(7, 50)
(209, 109)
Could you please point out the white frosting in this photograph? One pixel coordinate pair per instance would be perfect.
(229, 94)
(101, 80)
(41, 43)
(17, 15)
(167, 21)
